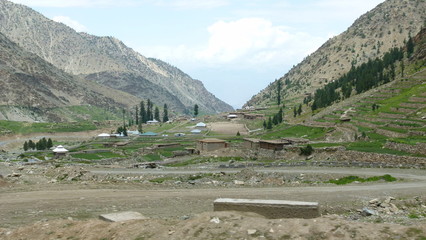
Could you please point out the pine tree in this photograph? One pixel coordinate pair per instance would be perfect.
(280, 115)
(136, 115)
(31, 145)
(195, 110)
(165, 113)
(299, 111)
(264, 124)
(279, 92)
(294, 111)
(410, 47)
(125, 131)
(49, 143)
(25, 146)
(143, 115)
(149, 110)
(157, 114)
(269, 124)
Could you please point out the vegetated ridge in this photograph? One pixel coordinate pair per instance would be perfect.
(387, 26)
(105, 60)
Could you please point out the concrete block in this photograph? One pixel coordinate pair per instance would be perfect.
(271, 209)
(122, 216)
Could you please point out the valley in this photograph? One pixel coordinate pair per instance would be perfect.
(89, 126)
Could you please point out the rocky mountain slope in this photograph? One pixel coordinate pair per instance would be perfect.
(388, 25)
(104, 60)
(29, 82)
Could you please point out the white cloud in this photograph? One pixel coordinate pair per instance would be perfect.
(242, 44)
(255, 41)
(71, 23)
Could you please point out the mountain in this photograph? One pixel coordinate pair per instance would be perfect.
(29, 82)
(387, 26)
(105, 60)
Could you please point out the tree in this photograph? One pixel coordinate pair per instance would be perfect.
(136, 115)
(165, 113)
(299, 111)
(157, 114)
(31, 145)
(195, 110)
(25, 146)
(264, 124)
(49, 143)
(238, 133)
(143, 115)
(149, 106)
(294, 111)
(269, 124)
(124, 117)
(410, 46)
(280, 115)
(306, 150)
(140, 128)
(279, 92)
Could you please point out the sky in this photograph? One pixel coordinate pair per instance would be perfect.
(235, 47)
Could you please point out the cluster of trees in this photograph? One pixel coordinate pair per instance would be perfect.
(361, 78)
(297, 111)
(42, 144)
(275, 120)
(122, 131)
(148, 112)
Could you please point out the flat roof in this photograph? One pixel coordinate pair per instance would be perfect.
(211, 140)
(275, 141)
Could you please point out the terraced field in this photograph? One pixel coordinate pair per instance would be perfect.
(395, 112)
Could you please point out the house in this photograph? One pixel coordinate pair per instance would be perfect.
(345, 118)
(276, 145)
(104, 135)
(148, 134)
(201, 125)
(133, 132)
(196, 131)
(211, 144)
(253, 116)
(152, 122)
(251, 143)
(60, 151)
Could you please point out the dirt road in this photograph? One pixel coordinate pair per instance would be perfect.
(81, 200)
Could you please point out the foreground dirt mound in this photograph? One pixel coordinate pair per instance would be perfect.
(217, 225)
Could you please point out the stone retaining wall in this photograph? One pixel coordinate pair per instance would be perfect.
(272, 209)
(419, 148)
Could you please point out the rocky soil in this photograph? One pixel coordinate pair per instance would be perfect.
(64, 202)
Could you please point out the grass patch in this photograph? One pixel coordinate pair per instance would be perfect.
(350, 179)
(96, 156)
(27, 127)
(297, 131)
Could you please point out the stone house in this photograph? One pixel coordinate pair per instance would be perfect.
(211, 144)
(251, 143)
(276, 145)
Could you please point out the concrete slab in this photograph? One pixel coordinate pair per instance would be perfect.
(122, 216)
(272, 209)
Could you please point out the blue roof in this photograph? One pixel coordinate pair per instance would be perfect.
(149, 134)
